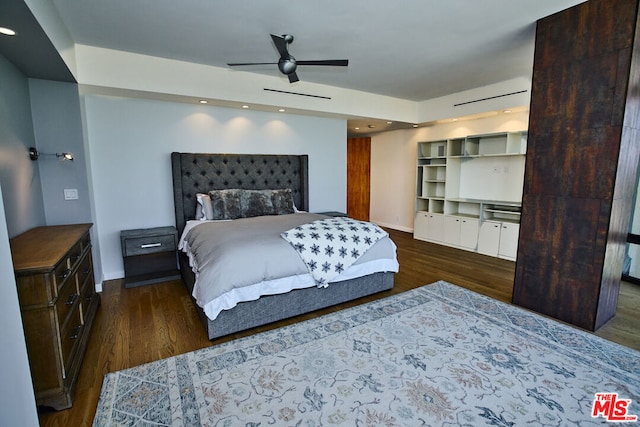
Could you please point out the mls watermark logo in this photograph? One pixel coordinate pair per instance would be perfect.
(613, 409)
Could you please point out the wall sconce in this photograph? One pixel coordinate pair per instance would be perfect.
(34, 154)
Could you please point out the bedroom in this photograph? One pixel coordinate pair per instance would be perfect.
(113, 111)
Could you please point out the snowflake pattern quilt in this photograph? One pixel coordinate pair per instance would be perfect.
(329, 246)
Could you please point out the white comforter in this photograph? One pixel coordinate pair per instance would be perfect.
(246, 258)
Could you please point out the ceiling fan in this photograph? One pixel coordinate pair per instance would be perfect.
(287, 64)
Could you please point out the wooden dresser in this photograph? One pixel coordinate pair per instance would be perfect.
(58, 303)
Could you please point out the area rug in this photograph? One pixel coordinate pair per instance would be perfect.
(439, 355)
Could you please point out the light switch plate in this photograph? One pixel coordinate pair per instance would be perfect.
(71, 194)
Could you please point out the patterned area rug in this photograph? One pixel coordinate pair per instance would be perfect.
(437, 355)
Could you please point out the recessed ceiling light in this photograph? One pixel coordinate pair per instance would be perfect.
(203, 101)
(357, 128)
(282, 110)
(415, 126)
(507, 111)
(245, 106)
(7, 31)
(389, 123)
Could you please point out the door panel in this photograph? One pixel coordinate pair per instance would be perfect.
(358, 177)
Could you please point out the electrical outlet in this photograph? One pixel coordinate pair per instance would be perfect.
(71, 194)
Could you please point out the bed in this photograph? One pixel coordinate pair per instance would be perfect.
(197, 173)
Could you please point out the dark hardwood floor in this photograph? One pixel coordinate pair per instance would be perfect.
(140, 325)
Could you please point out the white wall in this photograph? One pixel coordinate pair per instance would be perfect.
(393, 164)
(130, 141)
(17, 402)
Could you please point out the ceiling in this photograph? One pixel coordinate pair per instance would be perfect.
(411, 49)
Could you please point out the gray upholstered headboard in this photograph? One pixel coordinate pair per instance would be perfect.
(200, 172)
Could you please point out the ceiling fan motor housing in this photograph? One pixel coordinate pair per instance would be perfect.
(287, 65)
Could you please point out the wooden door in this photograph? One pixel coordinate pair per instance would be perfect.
(358, 177)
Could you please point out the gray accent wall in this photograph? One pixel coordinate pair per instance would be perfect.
(55, 108)
(19, 176)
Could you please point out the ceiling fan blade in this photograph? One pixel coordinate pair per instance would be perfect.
(332, 62)
(281, 45)
(239, 64)
(293, 77)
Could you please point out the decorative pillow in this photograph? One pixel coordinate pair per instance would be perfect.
(283, 201)
(225, 204)
(256, 203)
(237, 203)
(204, 210)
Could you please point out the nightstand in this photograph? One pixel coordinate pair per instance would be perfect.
(149, 255)
(333, 214)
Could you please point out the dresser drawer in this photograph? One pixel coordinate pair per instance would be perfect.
(69, 335)
(75, 254)
(67, 298)
(149, 245)
(85, 269)
(61, 274)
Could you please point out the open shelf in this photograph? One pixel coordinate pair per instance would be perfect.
(468, 191)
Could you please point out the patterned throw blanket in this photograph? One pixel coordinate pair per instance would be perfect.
(330, 246)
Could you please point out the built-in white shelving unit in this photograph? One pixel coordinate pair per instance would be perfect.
(469, 192)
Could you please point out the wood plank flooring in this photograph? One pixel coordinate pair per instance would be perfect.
(140, 325)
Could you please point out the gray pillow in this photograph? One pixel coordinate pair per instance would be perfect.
(282, 201)
(237, 203)
(225, 204)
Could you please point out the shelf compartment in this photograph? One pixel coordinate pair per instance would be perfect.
(433, 189)
(516, 143)
(433, 149)
(436, 206)
(504, 213)
(435, 172)
(468, 209)
(456, 147)
(509, 143)
(422, 204)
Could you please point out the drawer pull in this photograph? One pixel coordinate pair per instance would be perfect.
(75, 332)
(72, 299)
(151, 245)
(65, 273)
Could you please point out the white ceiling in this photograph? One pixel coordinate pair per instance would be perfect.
(414, 50)
(409, 49)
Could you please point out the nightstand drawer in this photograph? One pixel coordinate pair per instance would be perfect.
(148, 245)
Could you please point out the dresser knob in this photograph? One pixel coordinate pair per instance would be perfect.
(76, 332)
(72, 299)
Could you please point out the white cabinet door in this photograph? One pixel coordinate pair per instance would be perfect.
(435, 229)
(452, 230)
(421, 225)
(509, 240)
(469, 233)
(489, 238)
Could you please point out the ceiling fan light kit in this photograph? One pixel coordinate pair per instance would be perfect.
(287, 64)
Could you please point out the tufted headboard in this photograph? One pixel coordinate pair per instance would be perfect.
(200, 172)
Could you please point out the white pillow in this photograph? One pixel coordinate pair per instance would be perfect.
(204, 208)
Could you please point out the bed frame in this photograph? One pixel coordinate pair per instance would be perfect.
(200, 172)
